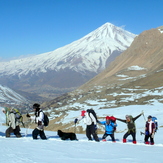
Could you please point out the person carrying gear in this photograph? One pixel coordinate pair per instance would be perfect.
(149, 131)
(39, 120)
(12, 122)
(91, 122)
(109, 128)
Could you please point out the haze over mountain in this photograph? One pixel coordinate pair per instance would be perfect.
(64, 69)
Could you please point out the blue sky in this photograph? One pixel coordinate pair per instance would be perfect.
(29, 27)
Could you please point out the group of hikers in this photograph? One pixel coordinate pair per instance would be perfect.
(90, 119)
(110, 124)
(13, 122)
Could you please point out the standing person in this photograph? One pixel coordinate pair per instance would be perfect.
(6, 111)
(39, 118)
(109, 128)
(130, 121)
(149, 131)
(91, 122)
(12, 122)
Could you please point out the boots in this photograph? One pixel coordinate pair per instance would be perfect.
(124, 140)
(134, 142)
(147, 142)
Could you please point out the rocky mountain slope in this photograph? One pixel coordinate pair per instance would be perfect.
(62, 70)
(133, 78)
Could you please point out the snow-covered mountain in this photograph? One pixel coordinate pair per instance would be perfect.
(89, 53)
(7, 95)
(69, 66)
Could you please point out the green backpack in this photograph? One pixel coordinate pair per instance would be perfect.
(18, 115)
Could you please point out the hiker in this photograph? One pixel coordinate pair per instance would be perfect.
(6, 110)
(91, 122)
(109, 128)
(130, 121)
(38, 118)
(149, 131)
(12, 122)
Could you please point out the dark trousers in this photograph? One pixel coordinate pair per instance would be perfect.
(90, 130)
(111, 135)
(37, 132)
(16, 131)
(147, 137)
(133, 134)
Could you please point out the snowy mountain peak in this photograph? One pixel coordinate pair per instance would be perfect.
(89, 53)
(111, 31)
(69, 66)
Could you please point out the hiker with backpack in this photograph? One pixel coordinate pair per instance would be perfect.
(110, 125)
(149, 131)
(90, 119)
(130, 121)
(39, 120)
(12, 122)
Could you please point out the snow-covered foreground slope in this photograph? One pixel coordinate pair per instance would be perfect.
(53, 150)
(26, 150)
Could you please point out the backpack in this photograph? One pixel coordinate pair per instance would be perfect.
(154, 119)
(46, 120)
(93, 112)
(113, 119)
(18, 115)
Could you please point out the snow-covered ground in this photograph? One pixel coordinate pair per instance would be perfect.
(54, 150)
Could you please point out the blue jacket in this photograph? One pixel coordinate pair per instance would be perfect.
(109, 128)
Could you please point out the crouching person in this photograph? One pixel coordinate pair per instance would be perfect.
(39, 118)
(12, 122)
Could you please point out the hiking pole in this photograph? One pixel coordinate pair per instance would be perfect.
(143, 115)
(75, 129)
(29, 126)
(27, 130)
(23, 122)
(142, 133)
